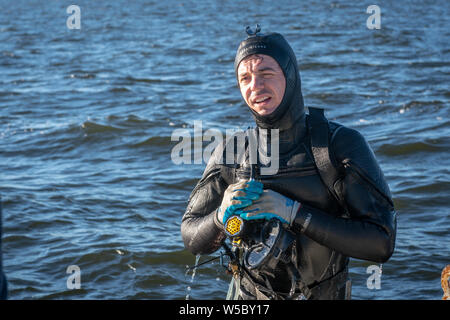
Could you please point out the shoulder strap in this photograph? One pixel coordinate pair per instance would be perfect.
(319, 131)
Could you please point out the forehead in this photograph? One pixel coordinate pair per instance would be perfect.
(257, 62)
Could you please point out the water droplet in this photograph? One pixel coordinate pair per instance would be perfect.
(197, 259)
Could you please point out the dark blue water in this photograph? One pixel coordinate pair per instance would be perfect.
(86, 118)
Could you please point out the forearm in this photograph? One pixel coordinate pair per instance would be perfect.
(201, 235)
(361, 239)
(199, 228)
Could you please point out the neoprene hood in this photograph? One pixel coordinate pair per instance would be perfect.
(291, 108)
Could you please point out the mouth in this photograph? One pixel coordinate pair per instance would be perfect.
(262, 101)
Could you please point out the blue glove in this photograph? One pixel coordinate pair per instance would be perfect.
(270, 205)
(237, 196)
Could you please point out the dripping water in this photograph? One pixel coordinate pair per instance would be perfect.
(188, 289)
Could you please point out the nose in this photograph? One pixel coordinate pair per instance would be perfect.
(257, 83)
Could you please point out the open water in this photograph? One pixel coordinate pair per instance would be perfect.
(86, 118)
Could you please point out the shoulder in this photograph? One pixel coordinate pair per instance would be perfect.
(350, 146)
(347, 140)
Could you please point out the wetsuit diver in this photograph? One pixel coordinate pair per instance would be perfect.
(329, 189)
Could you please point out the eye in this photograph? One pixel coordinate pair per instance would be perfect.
(244, 79)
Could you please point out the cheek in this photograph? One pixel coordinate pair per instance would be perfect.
(277, 89)
(244, 92)
(281, 88)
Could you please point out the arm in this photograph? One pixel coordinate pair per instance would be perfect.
(200, 230)
(369, 233)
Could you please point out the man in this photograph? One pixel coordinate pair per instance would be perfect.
(334, 199)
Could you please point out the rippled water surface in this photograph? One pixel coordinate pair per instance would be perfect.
(86, 118)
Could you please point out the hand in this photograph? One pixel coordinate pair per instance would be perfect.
(270, 205)
(237, 196)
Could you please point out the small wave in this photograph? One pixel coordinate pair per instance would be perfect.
(325, 34)
(135, 119)
(145, 80)
(429, 64)
(119, 89)
(153, 141)
(418, 104)
(80, 74)
(228, 101)
(66, 294)
(433, 188)
(92, 127)
(132, 121)
(316, 66)
(37, 225)
(18, 240)
(11, 54)
(97, 256)
(9, 93)
(184, 51)
(185, 82)
(8, 29)
(171, 80)
(435, 145)
(226, 60)
(180, 257)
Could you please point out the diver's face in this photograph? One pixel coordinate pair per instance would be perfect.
(262, 83)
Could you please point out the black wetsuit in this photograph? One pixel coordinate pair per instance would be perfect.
(362, 225)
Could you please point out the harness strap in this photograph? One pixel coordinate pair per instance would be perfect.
(319, 130)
